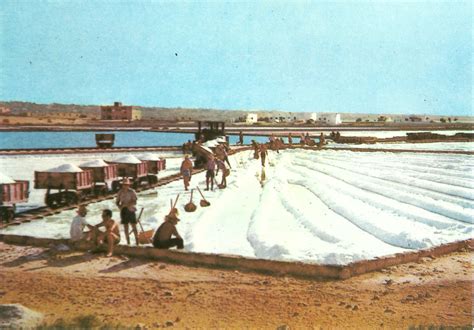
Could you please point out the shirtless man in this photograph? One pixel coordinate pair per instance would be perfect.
(225, 173)
(210, 168)
(162, 238)
(111, 236)
(186, 171)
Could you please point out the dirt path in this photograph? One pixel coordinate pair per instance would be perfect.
(133, 291)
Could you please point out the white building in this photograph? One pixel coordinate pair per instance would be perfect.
(330, 118)
(251, 118)
(307, 116)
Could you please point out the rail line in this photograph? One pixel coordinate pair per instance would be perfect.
(43, 151)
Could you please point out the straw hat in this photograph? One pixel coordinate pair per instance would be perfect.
(172, 216)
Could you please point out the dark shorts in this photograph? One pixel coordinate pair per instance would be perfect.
(187, 173)
(210, 174)
(127, 216)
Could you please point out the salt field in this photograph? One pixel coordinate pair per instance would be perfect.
(436, 146)
(329, 206)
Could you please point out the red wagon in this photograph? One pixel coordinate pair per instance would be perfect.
(155, 164)
(72, 186)
(131, 167)
(104, 175)
(11, 194)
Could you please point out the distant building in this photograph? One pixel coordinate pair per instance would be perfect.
(306, 116)
(251, 118)
(330, 118)
(5, 111)
(119, 112)
(415, 119)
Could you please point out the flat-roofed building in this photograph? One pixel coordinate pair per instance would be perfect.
(119, 112)
(251, 118)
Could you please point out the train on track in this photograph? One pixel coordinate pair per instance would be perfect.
(69, 184)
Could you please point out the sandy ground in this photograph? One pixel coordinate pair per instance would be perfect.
(129, 292)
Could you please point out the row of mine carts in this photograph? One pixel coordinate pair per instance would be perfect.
(69, 184)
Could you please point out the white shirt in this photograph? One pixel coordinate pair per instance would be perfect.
(77, 227)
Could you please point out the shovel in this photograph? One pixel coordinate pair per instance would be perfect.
(220, 186)
(173, 206)
(190, 207)
(203, 202)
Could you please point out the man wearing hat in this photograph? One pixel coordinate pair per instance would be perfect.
(162, 238)
(127, 201)
(78, 225)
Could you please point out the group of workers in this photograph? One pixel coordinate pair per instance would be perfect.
(126, 201)
(166, 235)
(213, 164)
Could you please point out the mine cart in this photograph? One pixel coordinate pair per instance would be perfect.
(104, 176)
(104, 140)
(154, 165)
(162, 164)
(209, 130)
(134, 169)
(72, 187)
(11, 194)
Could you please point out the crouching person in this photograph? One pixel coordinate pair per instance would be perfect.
(162, 238)
(111, 236)
(78, 225)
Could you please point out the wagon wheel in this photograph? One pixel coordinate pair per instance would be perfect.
(71, 198)
(6, 215)
(10, 215)
(104, 191)
(136, 184)
(52, 201)
(153, 179)
(115, 186)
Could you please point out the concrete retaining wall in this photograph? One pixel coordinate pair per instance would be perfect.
(297, 269)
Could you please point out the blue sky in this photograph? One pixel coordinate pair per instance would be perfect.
(344, 56)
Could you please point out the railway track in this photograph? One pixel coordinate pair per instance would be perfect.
(43, 151)
(44, 211)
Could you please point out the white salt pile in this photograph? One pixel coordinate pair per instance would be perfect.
(4, 179)
(211, 143)
(65, 168)
(127, 160)
(94, 163)
(149, 157)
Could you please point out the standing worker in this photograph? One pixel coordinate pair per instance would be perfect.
(321, 140)
(241, 138)
(210, 167)
(263, 153)
(255, 149)
(225, 173)
(290, 139)
(126, 202)
(186, 171)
